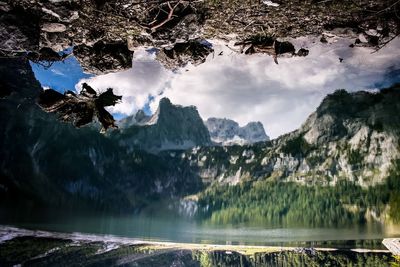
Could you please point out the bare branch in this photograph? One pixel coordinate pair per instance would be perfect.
(170, 15)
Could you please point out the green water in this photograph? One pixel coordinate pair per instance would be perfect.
(167, 226)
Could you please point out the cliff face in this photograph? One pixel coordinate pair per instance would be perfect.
(171, 127)
(228, 132)
(357, 134)
(351, 136)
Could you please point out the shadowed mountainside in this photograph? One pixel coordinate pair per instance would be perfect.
(45, 162)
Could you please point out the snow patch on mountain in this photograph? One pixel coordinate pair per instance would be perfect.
(228, 132)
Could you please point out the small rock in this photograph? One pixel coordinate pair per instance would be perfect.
(180, 54)
(284, 47)
(372, 32)
(362, 38)
(303, 52)
(270, 3)
(74, 16)
(373, 40)
(131, 44)
(54, 27)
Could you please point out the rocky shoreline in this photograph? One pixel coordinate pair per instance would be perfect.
(105, 34)
(38, 248)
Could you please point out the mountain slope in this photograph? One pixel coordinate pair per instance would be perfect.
(351, 136)
(342, 167)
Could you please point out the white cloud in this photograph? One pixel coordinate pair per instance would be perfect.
(146, 78)
(58, 72)
(254, 88)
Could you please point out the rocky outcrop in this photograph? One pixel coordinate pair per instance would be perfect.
(103, 57)
(228, 132)
(140, 118)
(171, 127)
(106, 33)
(180, 54)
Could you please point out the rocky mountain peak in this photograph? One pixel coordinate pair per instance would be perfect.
(141, 116)
(228, 132)
(342, 114)
(165, 103)
(170, 127)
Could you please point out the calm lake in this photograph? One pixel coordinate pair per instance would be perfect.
(170, 227)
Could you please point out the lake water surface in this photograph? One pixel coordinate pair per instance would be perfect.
(164, 227)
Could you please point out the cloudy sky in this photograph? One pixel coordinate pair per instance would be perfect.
(254, 88)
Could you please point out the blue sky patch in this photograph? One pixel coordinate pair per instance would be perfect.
(61, 76)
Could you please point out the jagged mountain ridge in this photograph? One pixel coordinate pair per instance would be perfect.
(170, 127)
(351, 136)
(185, 130)
(228, 132)
(139, 118)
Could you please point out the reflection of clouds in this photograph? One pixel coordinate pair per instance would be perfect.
(254, 88)
(58, 72)
(146, 78)
(248, 88)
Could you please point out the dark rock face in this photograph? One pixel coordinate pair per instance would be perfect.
(19, 30)
(107, 32)
(4, 91)
(171, 127)
(180, 54)
(270, 46)
(19, 80)
(303, 52)
(104, 57)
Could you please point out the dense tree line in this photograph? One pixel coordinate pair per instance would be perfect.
(279, 203)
